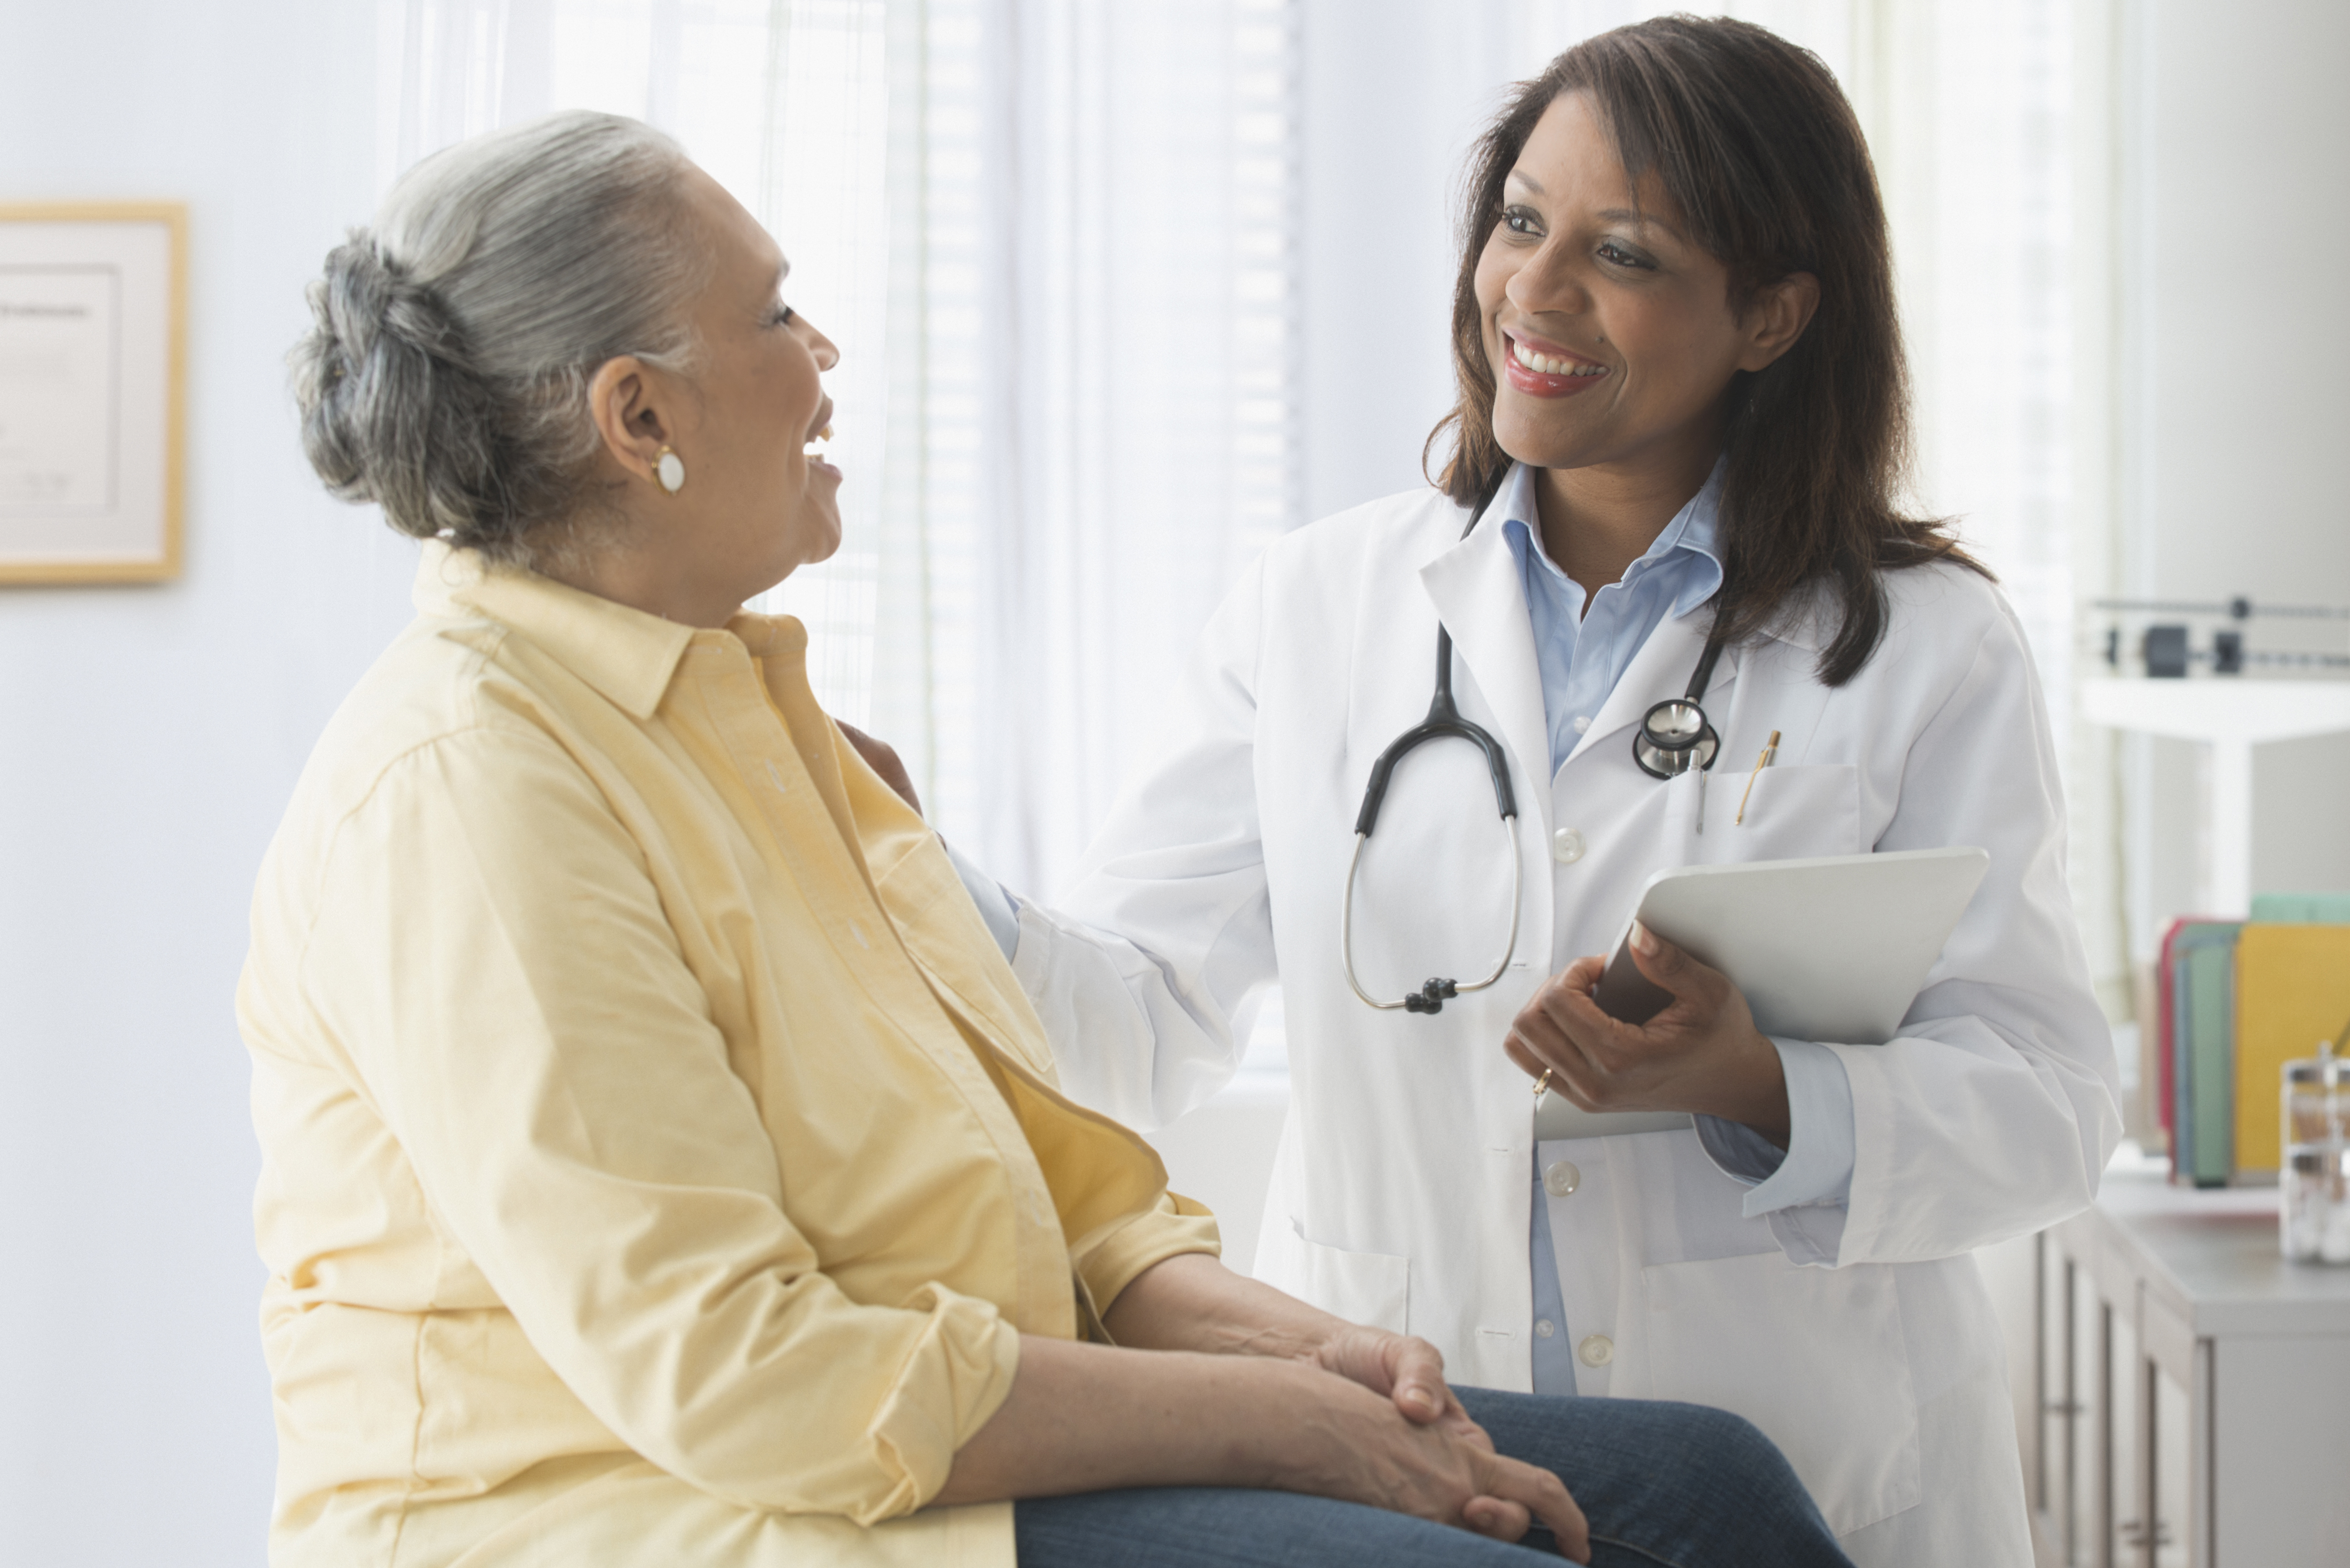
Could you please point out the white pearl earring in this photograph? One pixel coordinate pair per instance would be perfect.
(670, 469)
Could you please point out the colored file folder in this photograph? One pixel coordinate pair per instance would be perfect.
(2301, 908)
(2204, 1017)
(2292, 991)
(2158, 1053)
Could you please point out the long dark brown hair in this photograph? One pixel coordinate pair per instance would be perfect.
(1756, 145)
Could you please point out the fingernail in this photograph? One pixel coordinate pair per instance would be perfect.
(1424, 1400)
(1642, 939)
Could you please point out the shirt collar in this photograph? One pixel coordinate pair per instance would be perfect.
(1694, 533)
(626, 654)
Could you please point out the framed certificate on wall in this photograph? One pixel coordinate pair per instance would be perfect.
(93, 363)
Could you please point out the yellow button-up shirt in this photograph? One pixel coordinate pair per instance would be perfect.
(661, 1162)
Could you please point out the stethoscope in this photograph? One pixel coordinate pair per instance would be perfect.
(1673, 738)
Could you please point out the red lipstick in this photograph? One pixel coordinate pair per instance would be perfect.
(1536, 383)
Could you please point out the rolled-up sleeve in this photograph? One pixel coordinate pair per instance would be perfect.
(1118, 1255)
(493, 955)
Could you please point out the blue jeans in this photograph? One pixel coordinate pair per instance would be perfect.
(1681, 1485)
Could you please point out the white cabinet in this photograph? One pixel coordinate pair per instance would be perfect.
(2188, 1392)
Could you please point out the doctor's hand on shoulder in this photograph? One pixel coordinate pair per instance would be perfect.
(1702, 1053)
(883, 759)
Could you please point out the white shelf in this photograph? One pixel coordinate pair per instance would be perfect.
(2230, 715)
(2220, 708)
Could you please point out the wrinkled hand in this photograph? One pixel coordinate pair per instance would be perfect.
(1703, 1054)
(1359, 1450)
(1409, 1371)
(883, 758)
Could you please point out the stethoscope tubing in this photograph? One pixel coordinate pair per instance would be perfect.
(1437, 989)
(1444, 723)
(1673, 738)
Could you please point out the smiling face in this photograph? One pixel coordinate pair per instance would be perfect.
(761, 505)
(1607, 326)
(754, 504)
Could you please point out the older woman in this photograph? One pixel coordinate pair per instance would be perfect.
(662, 1165)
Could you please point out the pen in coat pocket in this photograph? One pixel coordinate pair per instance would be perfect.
(1770, 750)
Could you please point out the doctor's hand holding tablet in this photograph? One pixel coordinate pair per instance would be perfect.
(1828, 950)
(1700, 1053)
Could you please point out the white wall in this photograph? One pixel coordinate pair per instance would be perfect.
(2236, 328)
(148, 737)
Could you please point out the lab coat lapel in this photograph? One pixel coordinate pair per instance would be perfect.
(1661, 668)
(1481, 600)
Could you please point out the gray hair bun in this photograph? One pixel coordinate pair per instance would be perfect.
(446, 373)
(393, 411)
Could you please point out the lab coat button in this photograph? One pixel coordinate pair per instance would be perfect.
(1596, 1350)
(1545, 1327)
(1567, 846)
(1560, 1179)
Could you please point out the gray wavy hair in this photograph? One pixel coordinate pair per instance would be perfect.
(446, 374)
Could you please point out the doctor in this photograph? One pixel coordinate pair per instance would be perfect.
(1681, 385)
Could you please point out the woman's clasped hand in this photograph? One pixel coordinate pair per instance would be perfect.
(1440, 1467)
(1319, 1407)
(1439, 1464)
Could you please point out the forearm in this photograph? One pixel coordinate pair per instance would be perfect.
(1192, 1301)
(1294, 1405)
(1089, 1417)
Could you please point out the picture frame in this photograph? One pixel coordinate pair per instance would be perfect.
(93, 378)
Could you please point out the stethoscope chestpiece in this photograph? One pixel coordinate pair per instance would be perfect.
(1673, 738)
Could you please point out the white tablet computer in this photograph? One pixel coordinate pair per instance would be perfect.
(1833, 950)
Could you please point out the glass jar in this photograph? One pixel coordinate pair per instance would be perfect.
(2313, 1203)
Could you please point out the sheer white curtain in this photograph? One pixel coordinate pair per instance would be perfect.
(1095, 413)
(1052, 238)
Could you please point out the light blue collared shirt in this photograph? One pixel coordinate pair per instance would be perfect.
(1581, 652)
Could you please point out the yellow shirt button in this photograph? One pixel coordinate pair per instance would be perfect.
(1596, 1350)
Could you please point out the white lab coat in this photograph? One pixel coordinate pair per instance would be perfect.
(1401, 1193)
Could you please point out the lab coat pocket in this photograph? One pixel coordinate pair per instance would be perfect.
(1790, 814)
(1814, 1356)
(1369, 1288)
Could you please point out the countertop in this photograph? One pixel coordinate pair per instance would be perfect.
(2213, 1254)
